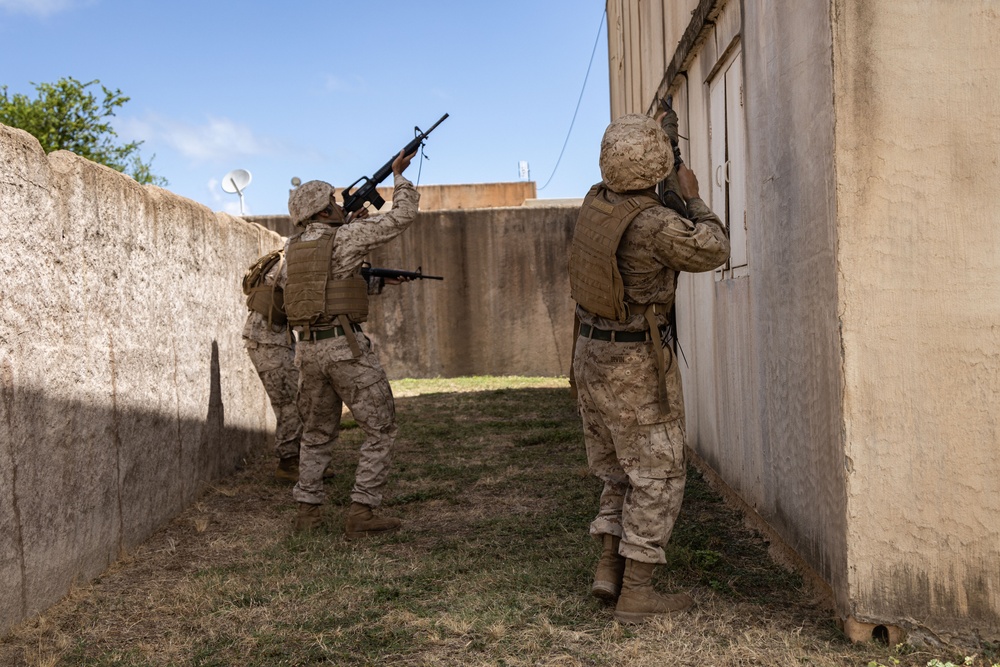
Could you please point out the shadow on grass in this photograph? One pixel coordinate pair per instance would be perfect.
(492, 566)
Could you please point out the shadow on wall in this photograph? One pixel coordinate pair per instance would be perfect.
(215, 420)
(81, 483)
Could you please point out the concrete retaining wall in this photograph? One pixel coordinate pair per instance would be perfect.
(125, 386)
(503, 307)
(124, 382)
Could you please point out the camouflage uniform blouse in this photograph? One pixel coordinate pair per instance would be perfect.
(658, 244)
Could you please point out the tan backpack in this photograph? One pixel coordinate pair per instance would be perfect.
(265, 299)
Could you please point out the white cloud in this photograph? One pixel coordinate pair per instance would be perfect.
(41, 8)
(215, 190)
(218, 139)
(233, 208)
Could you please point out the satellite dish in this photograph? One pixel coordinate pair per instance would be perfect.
(296, 181)
(236, 181)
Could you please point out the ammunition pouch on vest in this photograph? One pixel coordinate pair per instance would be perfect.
(594, 279)
(268, 300)
(312, 296)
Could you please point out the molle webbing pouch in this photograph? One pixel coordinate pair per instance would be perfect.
(595, 281)
(269, 301)
(265, 299)
(311, 296)
(649, 312)
(307, 275)
(348, 296)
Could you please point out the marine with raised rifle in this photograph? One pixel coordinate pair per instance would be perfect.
(326, 301)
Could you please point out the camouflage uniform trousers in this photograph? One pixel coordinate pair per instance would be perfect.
(631, 446)
(275, 365)
(329, 377)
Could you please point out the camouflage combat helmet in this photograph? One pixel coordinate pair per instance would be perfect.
(635, 153)
(308, 199)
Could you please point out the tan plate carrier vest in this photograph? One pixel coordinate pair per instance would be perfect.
(313, 297)
(268, 300)
(595, 281)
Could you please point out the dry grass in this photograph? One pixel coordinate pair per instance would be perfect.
(492, 567)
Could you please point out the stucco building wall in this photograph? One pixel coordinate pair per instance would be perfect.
(844, 376)
(125, 386)
(917, 164)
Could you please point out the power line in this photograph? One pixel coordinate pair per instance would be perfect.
(575, 111)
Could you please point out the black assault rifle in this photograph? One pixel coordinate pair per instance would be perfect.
(669, 196)
(367, 192)
(368, 270)
(672, 199)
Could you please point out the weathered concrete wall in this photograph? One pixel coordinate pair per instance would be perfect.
(125, 386)
(763, 388)
(790, 315)
(918, 162)
(503, 307)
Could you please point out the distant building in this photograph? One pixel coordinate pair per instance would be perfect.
(435, 198)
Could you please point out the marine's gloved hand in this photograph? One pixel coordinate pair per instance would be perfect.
(688, 182)
(669, 122)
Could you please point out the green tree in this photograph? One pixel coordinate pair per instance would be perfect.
(67, 116)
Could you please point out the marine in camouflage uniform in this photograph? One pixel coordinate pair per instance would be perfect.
(335, 359)
(626, 253)
(272, 351)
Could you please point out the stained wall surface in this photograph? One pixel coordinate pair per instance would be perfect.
(503, 307)
(125, 386)
(793, 343)
(918, 163)
(642, 35)
(432, 198)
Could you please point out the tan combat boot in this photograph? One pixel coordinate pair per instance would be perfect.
(287, 470)
(638, 601)
(309, 518)
(610, 569)
(361, 522)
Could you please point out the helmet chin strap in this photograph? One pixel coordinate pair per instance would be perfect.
(334, 215)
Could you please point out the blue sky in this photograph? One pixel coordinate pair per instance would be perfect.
(330, 90)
